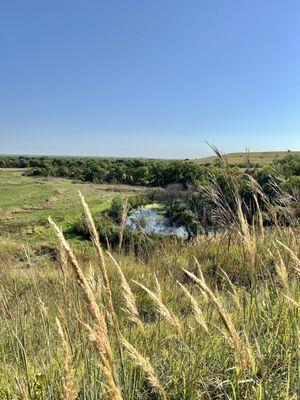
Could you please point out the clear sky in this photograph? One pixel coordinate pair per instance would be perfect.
(152, 78)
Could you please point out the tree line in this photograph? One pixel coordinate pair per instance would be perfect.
(154, 173)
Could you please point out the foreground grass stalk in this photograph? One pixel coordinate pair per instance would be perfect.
(130, 301)
(249, 238)
(146, 366)
(294, 256)
(260, 218)
(108, 295)
(162, 309)
(96, 242)
(70, 386)
(63, 263)
(98, 335)
(233, 336)
(199, 317)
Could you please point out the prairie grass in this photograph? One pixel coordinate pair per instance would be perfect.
(226, 330)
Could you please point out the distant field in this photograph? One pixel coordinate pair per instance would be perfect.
(262, 158)
(26, 202)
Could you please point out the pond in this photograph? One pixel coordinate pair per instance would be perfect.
(152, 220)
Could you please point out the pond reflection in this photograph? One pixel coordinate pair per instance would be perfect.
(152, 220)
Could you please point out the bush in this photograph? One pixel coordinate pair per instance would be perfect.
(109, 232)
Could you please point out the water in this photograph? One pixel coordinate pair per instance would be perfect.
(151, 220)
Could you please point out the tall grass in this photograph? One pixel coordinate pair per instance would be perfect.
(158, 327)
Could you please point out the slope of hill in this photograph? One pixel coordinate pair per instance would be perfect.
(263, 158)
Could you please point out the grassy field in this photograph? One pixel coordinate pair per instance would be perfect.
(262, 158)
(213, 318)
(26, 202)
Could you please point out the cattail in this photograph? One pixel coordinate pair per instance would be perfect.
(131, 308)
(195, 307)
(233, 336)
(145, 364)
(100, 332)
(162, 309)
(70, 386)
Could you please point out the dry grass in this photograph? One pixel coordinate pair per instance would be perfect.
(129, 299)
(163, 311)
(70, 390)
(207, 283)
(97, 334)
(233, 336)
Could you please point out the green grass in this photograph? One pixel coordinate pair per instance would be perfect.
(26, 202)
(263, 158)
(262, 302)
(198, 365)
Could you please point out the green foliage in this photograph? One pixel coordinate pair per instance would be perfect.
(123, 171)
(180, 215)
(120, 205)
(109, 229)
(116, 210)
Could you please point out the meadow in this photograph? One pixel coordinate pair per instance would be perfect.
(26, 202)
(260, 158)
(215, 317)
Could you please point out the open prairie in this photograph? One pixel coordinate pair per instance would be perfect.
(214, 317)
(26, 202)
(261, 158)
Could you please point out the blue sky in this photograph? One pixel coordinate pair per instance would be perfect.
(149, 78)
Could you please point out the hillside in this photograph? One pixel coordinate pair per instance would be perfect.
(263, 158)
(26, 202)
